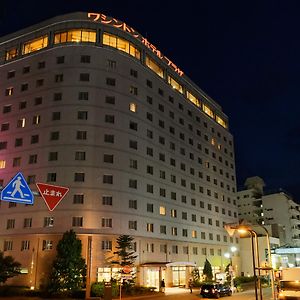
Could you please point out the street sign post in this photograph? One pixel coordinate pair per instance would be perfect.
(52, 194)
(17, 190)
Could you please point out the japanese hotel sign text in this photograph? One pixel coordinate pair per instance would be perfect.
(123, 26)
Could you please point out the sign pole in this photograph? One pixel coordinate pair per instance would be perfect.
(88, 271)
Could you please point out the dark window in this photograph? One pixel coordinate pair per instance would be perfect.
(133, 73)
(59, 78)
(111, 81)
(60, 59)
(56, 115)
(38, 100)
(109, 138)
(6, 108)
(83, 96)
(78, 199)
(18, 142)
(11, 74)
(39, 82)
(82, 115)
(54, 135)
(85, 59)
(110, 119)
(149, 100)
(79, 177)
(57, 96)
(4, 126)
(132, 183)
(84, 77)
(81, 135)
(3, 145)
(149, 83)
(110, 99)
(34, 139)
(41, 64)
(22, 104)
(133, 125)
(108, 179)
(26, 69)
(52, 156)
(51, 177)
(133, 144)
(108, 158)
(79, 155)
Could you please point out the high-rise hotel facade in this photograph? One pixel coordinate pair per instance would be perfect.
(89, 104)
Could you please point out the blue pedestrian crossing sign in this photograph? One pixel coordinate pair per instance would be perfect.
(17, 190)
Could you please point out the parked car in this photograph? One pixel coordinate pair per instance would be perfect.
(215, 290)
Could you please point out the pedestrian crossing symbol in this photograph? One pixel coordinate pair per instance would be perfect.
(17, 190)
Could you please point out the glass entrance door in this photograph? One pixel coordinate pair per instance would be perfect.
(179, 276)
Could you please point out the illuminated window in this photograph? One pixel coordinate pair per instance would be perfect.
(35, 45)
(21, 123)
(36, 119)
(151, 64)
(221, 121)
(175, 85)
(11, 53)
(192, 98)
(132, 107)
(2, 164)
(47, 245)
(75, 36)
(150, 227)
(173, 213)
(9, 91)
(207, 110)
(213, 141)
(121, 44)
(162, 210)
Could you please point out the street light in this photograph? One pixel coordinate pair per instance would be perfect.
(245, 228)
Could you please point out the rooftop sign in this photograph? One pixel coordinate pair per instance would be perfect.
(123, 26)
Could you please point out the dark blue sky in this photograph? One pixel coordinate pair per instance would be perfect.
(244, 54)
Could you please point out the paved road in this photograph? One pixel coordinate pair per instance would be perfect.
(184, 294)
(179, 294)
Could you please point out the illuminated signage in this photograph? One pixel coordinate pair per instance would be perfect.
(123, 26)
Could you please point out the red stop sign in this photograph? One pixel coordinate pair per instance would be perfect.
(126, 269)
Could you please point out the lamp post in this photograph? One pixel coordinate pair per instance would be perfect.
(255, 252)
(269, 259)
(245, 228)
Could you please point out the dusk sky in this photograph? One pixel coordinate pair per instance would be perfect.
(244, 54)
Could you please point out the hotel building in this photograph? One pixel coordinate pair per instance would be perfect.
(90, 104)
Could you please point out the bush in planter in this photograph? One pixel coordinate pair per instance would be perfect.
(97, 289)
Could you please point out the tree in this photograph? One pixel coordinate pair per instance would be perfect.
(125, 254)
(207, 270)
(69, 268)
(8, 267)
